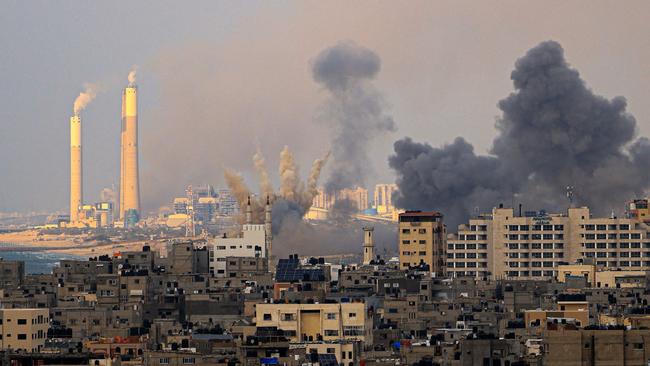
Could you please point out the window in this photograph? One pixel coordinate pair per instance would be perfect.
(331, 333)
(352, 315)
(22, 321)
(460, 246)
(288, 317)
(406, 231)
(22, 336)
(422, 231)
(352, 330)
(188, 360)
(405, 241)
(267, 316)
(164, 361)
(450, 246)
(471, 246)
(422, 241)
(332, 316)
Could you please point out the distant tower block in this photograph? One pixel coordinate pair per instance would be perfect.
(76, 184)
(129, 180)
(368, 245)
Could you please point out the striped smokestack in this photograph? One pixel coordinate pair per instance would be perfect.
(129, 180)
(76, 172)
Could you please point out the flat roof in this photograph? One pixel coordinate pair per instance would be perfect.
(420, 213)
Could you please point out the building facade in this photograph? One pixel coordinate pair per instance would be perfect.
(318, 322)
(383, 198)
(533, 245)
(24, 329)
(251, 243)
(422, 240)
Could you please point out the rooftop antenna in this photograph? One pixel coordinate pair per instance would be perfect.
(570, 193)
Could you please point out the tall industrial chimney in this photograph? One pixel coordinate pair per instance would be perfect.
(76, 192)
(129, 180)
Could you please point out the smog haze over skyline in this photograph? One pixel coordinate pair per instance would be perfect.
(219, 80)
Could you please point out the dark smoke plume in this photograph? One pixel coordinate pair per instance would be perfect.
(355, 110)
(554, 133)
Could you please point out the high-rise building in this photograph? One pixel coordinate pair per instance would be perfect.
(76, 170)
(228, 205)
(358, 196)
(323, 199)
(129, 178)
(383, 198)
(532, 245)
(422, 241)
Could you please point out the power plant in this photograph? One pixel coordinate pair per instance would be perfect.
(129, 200)
(129, 183)
(76, 169)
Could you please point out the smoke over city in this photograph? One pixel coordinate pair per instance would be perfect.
(354, 112)
(554, 133)
(290, 203)
(293, 198)
(84, 98)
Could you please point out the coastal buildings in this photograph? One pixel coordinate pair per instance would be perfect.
(532, 245)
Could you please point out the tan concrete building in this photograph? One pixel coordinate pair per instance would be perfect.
(599, 277)
(422, 240)
(24, 329)
(596, 347)
(532, 246)
(315, 322)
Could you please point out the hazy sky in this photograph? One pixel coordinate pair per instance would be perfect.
(219, 79)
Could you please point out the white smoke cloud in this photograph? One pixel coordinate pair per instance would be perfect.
(84, 98)
(132, 75)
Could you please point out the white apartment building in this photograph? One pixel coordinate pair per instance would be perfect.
(250, 243)
(532, 246)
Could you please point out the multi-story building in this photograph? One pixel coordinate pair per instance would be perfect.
(228, 205)
(533, 245)
(358, 196)
(323, 199)
(12, 273)
(24, 329)
(318, 322)
(383, 198)
(251, 243)
(422, 241)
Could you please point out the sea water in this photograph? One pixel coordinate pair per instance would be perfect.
(35, 261)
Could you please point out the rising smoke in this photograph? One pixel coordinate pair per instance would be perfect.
(132, 75)
(84, 98)
(554, 133)
(292, 200)
(291, 233)
(355, 110)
